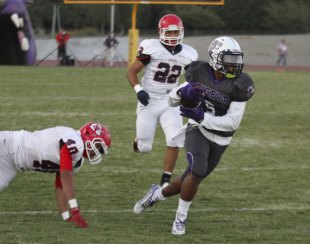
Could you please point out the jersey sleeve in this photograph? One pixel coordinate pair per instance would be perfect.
(75, 145)
(191, 53)
(174, 99)
(227, 123)
(65, 158)
(244, 88)
(147, 46)
(145, 51)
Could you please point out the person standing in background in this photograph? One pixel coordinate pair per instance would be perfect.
(282, 51)
(110, 43)
(62, 38)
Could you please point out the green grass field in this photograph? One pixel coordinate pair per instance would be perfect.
(259, 193)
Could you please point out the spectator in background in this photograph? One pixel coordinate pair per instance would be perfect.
(282, 51)
(110, 43)
(62, 38)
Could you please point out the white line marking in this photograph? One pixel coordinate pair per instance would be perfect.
(125, 170)
(65, 114)
(201, 210)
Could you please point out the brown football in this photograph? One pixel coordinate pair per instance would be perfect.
(188, 103)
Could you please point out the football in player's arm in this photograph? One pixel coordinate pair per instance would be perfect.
(164, 60)
(214, 100)
(59, 150)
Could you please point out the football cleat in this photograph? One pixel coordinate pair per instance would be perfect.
(146, 201)
(179, 223)
(135, 146)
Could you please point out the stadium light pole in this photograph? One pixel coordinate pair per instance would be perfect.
(56, 23)
(58, 17)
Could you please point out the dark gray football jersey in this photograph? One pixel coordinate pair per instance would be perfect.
(220, 93)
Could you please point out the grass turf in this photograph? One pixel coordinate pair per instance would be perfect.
(259, 193)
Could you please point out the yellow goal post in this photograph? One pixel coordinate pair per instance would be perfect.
(133, 33)
(185, 2)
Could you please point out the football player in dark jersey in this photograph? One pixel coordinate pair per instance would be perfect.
(217, 91)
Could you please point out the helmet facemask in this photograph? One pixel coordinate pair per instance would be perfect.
(171, 40)
(95, 150)
(97, 141)
(230, 63)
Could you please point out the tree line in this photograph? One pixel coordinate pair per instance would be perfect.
(235, 17)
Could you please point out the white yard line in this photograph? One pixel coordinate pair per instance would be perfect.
(125, 170)
(201, 210)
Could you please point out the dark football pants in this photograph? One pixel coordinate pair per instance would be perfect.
(202, 154)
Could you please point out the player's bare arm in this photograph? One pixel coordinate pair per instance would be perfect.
(132, 74)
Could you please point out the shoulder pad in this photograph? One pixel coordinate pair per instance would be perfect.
(196, 72)
(73, 140)
(190, 52)
(148, 46)
(244, 88)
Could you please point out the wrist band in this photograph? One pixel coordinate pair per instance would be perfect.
(65, 215)
(73, 203)
(137, 88)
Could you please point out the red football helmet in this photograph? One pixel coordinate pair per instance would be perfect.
(170, 22)
(97, 141)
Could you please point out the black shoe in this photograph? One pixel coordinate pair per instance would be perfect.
(135, 146)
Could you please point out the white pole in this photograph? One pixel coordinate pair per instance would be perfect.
(112, 35)
(58, 17)
(54, 21)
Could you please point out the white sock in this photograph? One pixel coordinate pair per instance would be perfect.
(183, 209)
(158, 195)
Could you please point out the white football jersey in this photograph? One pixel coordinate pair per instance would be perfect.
(163, 71)
(40, 150)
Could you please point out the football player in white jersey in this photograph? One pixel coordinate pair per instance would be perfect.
(59, 150)
(163, 61)
(218, 91)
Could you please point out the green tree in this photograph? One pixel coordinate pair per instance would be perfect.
(200, 19)
(287, 17)
(235, 17)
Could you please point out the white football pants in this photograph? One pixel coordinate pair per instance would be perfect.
(158, 110)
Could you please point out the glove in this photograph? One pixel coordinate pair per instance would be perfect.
(143, 97)
(77, 218)
(193, 91)
(196, 114)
